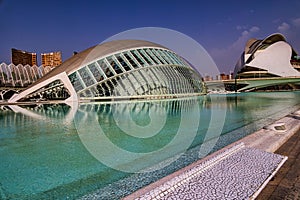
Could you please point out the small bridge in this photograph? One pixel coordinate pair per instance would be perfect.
(252, 84)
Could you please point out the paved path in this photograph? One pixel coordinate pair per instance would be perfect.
(286, 183)
(235, 173)
(265, 140)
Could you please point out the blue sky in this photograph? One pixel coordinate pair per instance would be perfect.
(221, 27)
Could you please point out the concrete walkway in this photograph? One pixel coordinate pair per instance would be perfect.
(286, 183)
(269, 139)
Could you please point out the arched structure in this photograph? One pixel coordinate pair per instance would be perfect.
(20, 76)
(118, 69)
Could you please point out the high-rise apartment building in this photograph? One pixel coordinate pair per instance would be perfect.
(23, 57)
(51, 59)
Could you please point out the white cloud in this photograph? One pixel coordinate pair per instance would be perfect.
(296, 22)
(290, 28)
(240, 27)
(245, 33)
(226, 58)
(245, 28)
(254, 29)
(284, 27)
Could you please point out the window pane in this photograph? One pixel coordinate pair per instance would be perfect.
(85, 76)
(75, 82)
(100, 90)
(143, 54)
(95, 71)
(88, 93)
(122, 62)
(114, 65)
(154, 58)
(137, 57)
(155, 52)
(178, 60)
(94, 91)
(131, 61)
(105, 68)
(170, 58)
(164, 56)
(105, 89)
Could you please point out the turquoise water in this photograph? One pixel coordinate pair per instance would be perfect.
(67, 151)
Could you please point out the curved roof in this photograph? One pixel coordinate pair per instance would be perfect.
(95, 52)
(250, 43)
(276, 37)
(253, 45)
(276, 60)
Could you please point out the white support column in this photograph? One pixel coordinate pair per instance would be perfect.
(62, 76)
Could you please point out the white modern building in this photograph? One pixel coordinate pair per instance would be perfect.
(123, 69)
(266, 65)
(270, 57)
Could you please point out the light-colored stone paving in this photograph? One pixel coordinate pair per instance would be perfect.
(236, 173)
(242, 175)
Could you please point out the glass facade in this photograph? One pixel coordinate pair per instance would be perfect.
(136, 72)
(122, 70)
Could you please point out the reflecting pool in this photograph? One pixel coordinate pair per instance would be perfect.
(111, 149)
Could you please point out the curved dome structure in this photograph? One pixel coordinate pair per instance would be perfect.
(116, 70)
(271, 57)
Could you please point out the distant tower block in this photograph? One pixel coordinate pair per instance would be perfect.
(51, 59)
(23, 57)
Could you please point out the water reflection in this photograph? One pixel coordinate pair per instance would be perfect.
(135, 135)
(70, 150)
(39, 141)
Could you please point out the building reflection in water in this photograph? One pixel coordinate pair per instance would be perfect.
(76, 145)
(120, 133)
